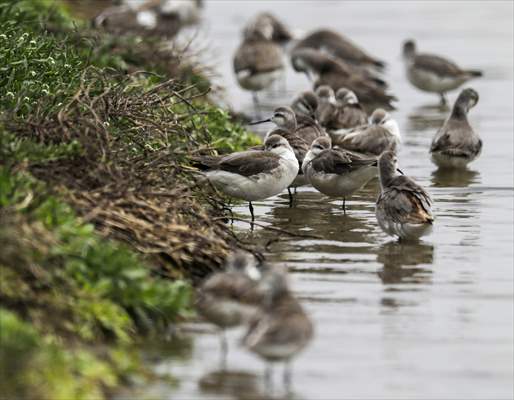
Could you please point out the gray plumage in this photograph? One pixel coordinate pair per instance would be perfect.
(381, 135)
(456, 144)
(403, 207)
(245, 163)
(347, 113)
(338, 46)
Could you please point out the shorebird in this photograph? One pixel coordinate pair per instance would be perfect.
(286, 126)
(253, 174)
(282, 329)
(265, 21)
(324, 69)
(456, 144)
(337, 172)
(433, 73)
(336, 45)
(403, 207)
(348, 113)
(305, 106)
(228, 299)
(382, 134)
(162, 17)
(258, 61)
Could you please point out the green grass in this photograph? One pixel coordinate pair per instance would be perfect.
(73, 301)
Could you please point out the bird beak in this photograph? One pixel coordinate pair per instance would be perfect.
(400, 171)
(309, 76)
(259, 122)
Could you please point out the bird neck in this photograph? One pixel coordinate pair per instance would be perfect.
(386, 174)
(459, 111)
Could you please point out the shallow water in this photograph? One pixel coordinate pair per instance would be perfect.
(430, 320)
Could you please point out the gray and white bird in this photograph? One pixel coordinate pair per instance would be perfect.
(282, 329)
(324, 69)
(432, 73)
(326, 104)
(230, 298)
(286, 126)
(258, 61)
(253, 174)
(456, 144)
(337, 172)
(403, 208)
(382, 134)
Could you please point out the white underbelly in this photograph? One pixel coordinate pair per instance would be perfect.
(260, 81)
(405, 231)
(341, 185)
(255, 187)
(447, 161)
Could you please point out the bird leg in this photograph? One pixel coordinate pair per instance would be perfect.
(224, 349)
(253, 216)
(268, 377)
(288, 374)
(256, 104)
(443, 100)
(290, 197)
(344, 205)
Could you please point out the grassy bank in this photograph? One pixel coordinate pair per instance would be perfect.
(102, 222)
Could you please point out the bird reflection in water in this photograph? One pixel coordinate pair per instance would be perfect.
(427, 117)
(454, 177)
(400, 262)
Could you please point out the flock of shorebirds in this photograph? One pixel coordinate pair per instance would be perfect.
(336, 137)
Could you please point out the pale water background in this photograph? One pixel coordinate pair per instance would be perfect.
(427, 321)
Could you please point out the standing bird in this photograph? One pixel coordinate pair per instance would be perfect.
(433, 73)
(285, 120)
(338, 46)
(258, 61)
(305, 106)
(282, 329)
(337, 172)
(456, 144)
(348, 112)
(253, 174)
(403, 207)
(324, 69)
(382, 134)
(230, 298)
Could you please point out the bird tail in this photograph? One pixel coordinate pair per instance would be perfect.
(379, 64)
(475, 72)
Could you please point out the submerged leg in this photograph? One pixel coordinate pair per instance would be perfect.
(443, 99)
(288, 375)
(251, 210)
(268, 377)
(290, 197)
(224, 349)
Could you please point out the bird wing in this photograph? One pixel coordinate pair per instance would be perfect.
(372, 140)
(406, 202)
(339, 161)
(248, 163)
(438, 65)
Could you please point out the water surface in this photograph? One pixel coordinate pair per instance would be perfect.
(431, 320)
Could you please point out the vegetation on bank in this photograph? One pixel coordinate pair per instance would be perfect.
(98, 207)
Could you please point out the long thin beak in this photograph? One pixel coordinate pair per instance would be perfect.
(259, 122)
(400, 171)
